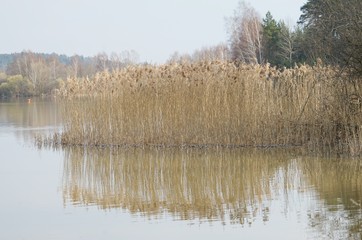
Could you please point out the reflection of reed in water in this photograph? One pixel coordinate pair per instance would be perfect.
(339, 186)
(188, 184)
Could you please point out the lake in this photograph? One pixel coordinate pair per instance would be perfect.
(110, 193)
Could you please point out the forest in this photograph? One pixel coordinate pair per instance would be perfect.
(39, 74)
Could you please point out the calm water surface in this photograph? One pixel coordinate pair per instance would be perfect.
(77, 193)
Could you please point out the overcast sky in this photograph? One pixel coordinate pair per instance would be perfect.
(153, 28)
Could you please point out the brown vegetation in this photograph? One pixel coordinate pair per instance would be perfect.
(218, 103)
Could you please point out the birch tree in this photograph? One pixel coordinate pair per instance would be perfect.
(219, 52)
(245, 37)
(286, 44)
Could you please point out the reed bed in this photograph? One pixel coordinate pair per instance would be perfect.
(213, 104)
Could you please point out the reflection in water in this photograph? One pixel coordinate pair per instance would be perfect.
(339, 184)
(233, 186)
(26, 119)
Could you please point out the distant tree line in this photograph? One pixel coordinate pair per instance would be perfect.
(328, 30)
(34, 74)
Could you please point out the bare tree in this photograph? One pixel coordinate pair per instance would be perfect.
(102, 62)
(176, 57)
(286, 43)
(115, 61)
(75, 68)
(245, 36)
(129, 57)
(219, 52)
(40, 75)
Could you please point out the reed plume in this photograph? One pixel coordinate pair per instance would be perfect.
(213, 104)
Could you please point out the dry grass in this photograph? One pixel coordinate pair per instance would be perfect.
(218, 103)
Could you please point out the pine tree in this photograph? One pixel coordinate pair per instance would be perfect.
(271, 39)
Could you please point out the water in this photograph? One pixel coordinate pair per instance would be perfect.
(77, 193)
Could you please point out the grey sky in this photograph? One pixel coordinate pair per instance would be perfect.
(153, 28)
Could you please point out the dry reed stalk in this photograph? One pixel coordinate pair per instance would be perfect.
(216, 103)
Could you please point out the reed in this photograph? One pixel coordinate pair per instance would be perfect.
(213, 104)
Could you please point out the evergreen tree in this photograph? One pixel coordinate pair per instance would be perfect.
(300, 47)
(271, 40)
(334, 32)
